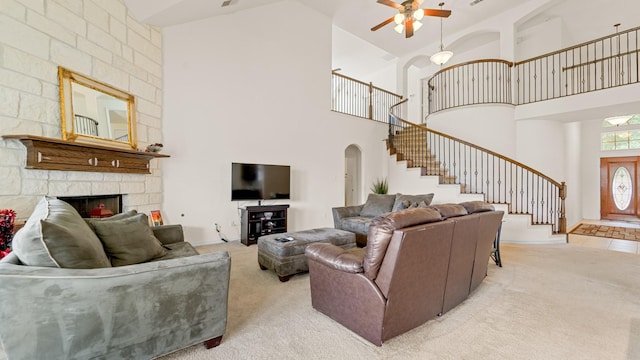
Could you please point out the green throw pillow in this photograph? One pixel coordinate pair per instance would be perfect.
(128, 241)
(55, 235)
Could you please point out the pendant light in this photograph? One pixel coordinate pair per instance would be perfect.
(442, 56)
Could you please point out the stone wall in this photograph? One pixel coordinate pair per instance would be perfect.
(97, 38)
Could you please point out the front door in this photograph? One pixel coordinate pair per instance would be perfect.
(618, 188)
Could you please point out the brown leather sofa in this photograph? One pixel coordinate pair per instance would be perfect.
(418, 264)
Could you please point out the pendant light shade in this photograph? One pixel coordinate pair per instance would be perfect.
(618, 120)
(442, 56)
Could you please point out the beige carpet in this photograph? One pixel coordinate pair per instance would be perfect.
(547, 302)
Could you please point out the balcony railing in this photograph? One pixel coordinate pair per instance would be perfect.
(476, 82)
(599, 64)
(358, 98)
(479, 171)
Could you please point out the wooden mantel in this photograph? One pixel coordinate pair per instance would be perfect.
(56, 154)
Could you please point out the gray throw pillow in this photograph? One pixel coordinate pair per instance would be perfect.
(124, 215)
(55, 235)
(377, 204)
(450, 210)
(477, 206)
(129, 241)
(401, 201)
(409, 205)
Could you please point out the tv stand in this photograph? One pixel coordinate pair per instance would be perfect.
(262, 220)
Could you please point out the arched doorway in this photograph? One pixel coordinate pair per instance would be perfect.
(352, 175)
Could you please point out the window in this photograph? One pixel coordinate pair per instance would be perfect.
(626, 136)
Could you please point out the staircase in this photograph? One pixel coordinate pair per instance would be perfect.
(409, 144)
(423, 160)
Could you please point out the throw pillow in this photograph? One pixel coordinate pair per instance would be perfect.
(377, 204)
(124, 215)
(409, 205)
(402, 200)
(450, 210)
(55, 235)
(129, 241)
(477, 206)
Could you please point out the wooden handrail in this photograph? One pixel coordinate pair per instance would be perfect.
(472, 62)
(358, 98)
(575, 46)
(600, 60)
(479, 171)
(491, 152)
(365, 84)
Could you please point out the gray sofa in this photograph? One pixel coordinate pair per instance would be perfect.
(76, 310)
(356, 219)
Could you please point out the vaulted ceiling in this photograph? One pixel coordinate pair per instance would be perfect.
(354, 16)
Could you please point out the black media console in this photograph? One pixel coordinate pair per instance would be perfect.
(262, 220)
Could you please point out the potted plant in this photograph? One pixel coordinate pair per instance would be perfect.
(380, 186)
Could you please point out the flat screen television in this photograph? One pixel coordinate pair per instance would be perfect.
(260, 181)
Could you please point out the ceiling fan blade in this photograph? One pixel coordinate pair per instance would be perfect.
(408, 28)
(434, 12)
(416, 3)
(390, 3)
(389, 20)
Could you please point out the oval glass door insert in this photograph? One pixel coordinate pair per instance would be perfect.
(622, 188)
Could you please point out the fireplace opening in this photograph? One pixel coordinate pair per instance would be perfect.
(84, 204)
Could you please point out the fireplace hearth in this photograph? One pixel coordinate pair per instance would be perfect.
(84, 204)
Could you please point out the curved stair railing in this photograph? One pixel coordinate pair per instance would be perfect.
(486, 81)
(478, 171)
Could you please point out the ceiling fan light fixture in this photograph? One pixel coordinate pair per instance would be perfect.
(399, 19)
(418, 14)
(399, 28)
(416, 25)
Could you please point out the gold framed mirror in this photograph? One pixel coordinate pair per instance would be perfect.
(94, 112)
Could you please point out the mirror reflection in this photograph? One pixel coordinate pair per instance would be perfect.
(95, 112)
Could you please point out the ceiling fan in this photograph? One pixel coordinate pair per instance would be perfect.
(409, 16)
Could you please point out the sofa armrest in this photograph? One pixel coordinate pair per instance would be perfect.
(168, 234)
(340, 213)
(145, 309)
(335, 257)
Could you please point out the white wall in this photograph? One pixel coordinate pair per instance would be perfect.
(488, 126)
(590, 168)
(257, 93)
(539, 39)
(98, 38)
(541, 145)
(573, 155)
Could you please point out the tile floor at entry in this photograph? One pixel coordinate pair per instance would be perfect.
(606, 243)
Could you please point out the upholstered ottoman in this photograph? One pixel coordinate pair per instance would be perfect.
(287, 258)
